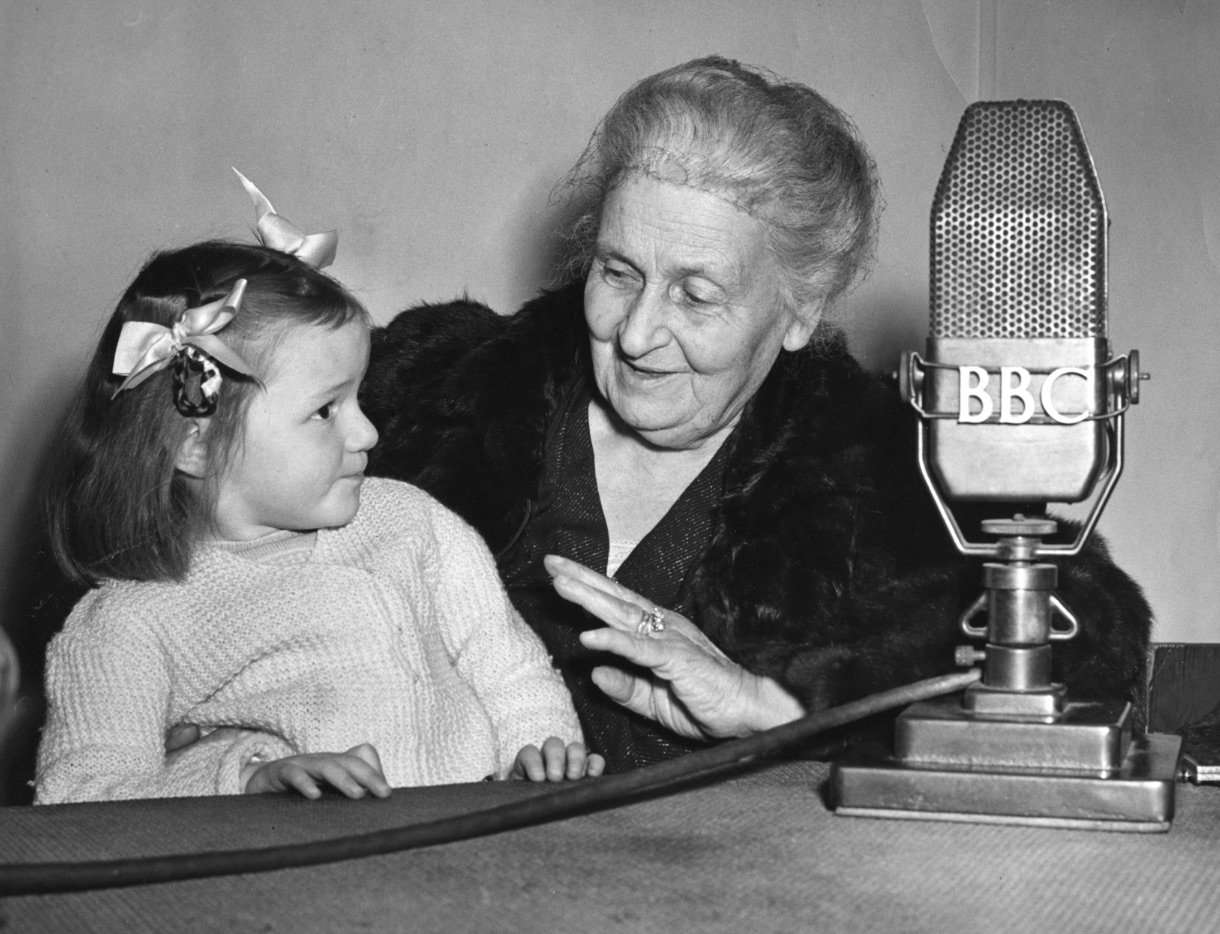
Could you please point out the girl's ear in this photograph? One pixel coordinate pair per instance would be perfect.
(192, 457)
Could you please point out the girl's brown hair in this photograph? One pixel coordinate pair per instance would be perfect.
(117, 506)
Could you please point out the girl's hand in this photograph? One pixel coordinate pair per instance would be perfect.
(554, 762)
(181, 735)
(693, 688)
(352, 773)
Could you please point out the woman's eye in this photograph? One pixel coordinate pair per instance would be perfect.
(692, 298)
(616, 275)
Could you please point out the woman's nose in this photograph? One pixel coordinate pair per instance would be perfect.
(643, 328)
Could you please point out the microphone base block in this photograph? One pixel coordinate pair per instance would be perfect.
(1085, 770)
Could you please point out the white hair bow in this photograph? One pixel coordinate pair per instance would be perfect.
(318, 250)
(145, 348)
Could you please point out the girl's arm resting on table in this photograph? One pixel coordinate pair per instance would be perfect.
(105, 735)
(351, 773)
(265, 763)
(499, 655)
(107, 692)
(222, 759)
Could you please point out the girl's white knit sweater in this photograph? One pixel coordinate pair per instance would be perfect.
(393, 630)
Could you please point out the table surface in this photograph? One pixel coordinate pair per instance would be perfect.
(757, 851)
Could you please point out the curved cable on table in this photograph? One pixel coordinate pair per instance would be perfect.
(586, 795)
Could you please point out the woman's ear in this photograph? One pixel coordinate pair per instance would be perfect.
(803, 321)
(192, 457)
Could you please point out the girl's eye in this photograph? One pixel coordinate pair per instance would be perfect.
(325, 412)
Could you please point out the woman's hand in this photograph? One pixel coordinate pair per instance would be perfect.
(554, 762)
(352, 773)
(694, 688)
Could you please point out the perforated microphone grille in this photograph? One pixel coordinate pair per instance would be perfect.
(1018, 227)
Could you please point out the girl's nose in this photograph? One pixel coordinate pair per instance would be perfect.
(363, 435)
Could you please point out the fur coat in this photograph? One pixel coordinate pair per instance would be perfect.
(827, 565)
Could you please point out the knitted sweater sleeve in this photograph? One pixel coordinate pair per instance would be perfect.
(495, 651)
(108, 693)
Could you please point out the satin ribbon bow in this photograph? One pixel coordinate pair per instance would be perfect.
(145, 348)
(318, 250)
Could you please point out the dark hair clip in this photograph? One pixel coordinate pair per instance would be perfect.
(197, 382)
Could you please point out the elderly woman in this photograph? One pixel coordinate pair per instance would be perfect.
(682, 418)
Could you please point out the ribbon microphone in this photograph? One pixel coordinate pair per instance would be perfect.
(1020, 404)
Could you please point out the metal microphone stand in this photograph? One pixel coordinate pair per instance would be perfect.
(1014, 748)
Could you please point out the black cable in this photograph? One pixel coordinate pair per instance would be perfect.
(47, 878)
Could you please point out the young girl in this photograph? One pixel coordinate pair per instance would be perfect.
(319, 628)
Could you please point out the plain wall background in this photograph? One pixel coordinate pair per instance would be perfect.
(431, 135)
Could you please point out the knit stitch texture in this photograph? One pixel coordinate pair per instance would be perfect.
(392, 630)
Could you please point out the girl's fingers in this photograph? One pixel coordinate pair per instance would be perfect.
(367, 753)
(595, 765)
(293, 776)
(553, 756)
(529, 764)
(366, 770)
(575, 761)
(556, 761)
